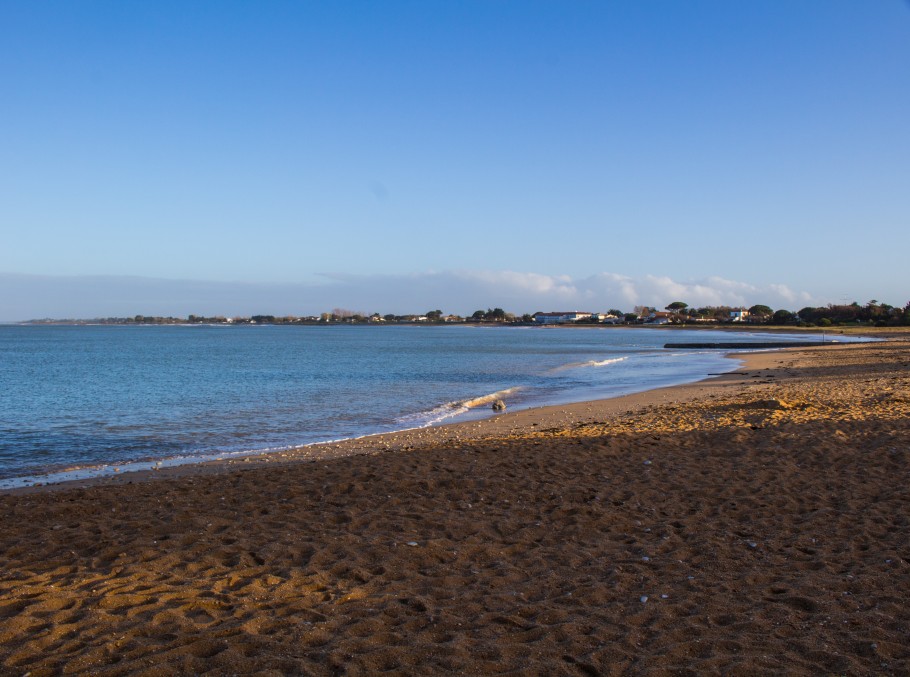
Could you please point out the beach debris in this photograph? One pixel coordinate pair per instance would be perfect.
(412, 543)
(499, 405)
(643, 599)
(752, 544)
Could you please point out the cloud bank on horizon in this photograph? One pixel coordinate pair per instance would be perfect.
(24, 297)
(672, 141)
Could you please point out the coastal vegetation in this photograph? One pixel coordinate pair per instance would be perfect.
(873, 313)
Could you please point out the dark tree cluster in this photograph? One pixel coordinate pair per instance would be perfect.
(874, 313)
(492, 315)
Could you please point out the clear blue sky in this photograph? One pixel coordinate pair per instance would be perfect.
(764, 144)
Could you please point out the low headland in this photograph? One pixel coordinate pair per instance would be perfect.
(753, 523)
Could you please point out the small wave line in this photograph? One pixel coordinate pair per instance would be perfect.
(589, 363)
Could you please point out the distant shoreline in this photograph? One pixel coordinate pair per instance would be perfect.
(853, 330)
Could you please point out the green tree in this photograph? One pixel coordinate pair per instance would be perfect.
(783, 317)
(761, 310)
(676, 306)
(810, 314)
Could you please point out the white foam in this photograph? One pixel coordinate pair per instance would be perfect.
(425, 419)
(589, 363)
(486, 399)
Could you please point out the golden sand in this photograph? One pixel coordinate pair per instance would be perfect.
(757, 523)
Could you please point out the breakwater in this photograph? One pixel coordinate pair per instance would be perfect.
(752, 345)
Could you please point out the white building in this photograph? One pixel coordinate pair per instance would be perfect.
(561, 317)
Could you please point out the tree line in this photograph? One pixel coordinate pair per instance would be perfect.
(872, 313)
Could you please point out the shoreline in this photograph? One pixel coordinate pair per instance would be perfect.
(81, 466)
(755, 523)
(474, 429)
(493, 425)
(114, 471)
(80, 471)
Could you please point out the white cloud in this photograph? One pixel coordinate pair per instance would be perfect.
(533, 283)
(787, 294)
(660, 290)
(460, 291)
(521, 291)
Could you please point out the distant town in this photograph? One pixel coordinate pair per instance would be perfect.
(676, 313)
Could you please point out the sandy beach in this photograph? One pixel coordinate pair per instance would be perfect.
(754, 523)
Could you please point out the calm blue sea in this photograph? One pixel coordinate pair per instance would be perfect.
(76, 396)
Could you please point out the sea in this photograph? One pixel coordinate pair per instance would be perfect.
(83, 401)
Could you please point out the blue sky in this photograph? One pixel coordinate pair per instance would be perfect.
(370, 155)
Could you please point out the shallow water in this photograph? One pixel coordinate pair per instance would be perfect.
(92, 395)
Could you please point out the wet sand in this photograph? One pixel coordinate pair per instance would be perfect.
(756, 523)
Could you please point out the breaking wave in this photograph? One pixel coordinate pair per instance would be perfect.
(425, 419)
(589, 363)
(486, 399)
